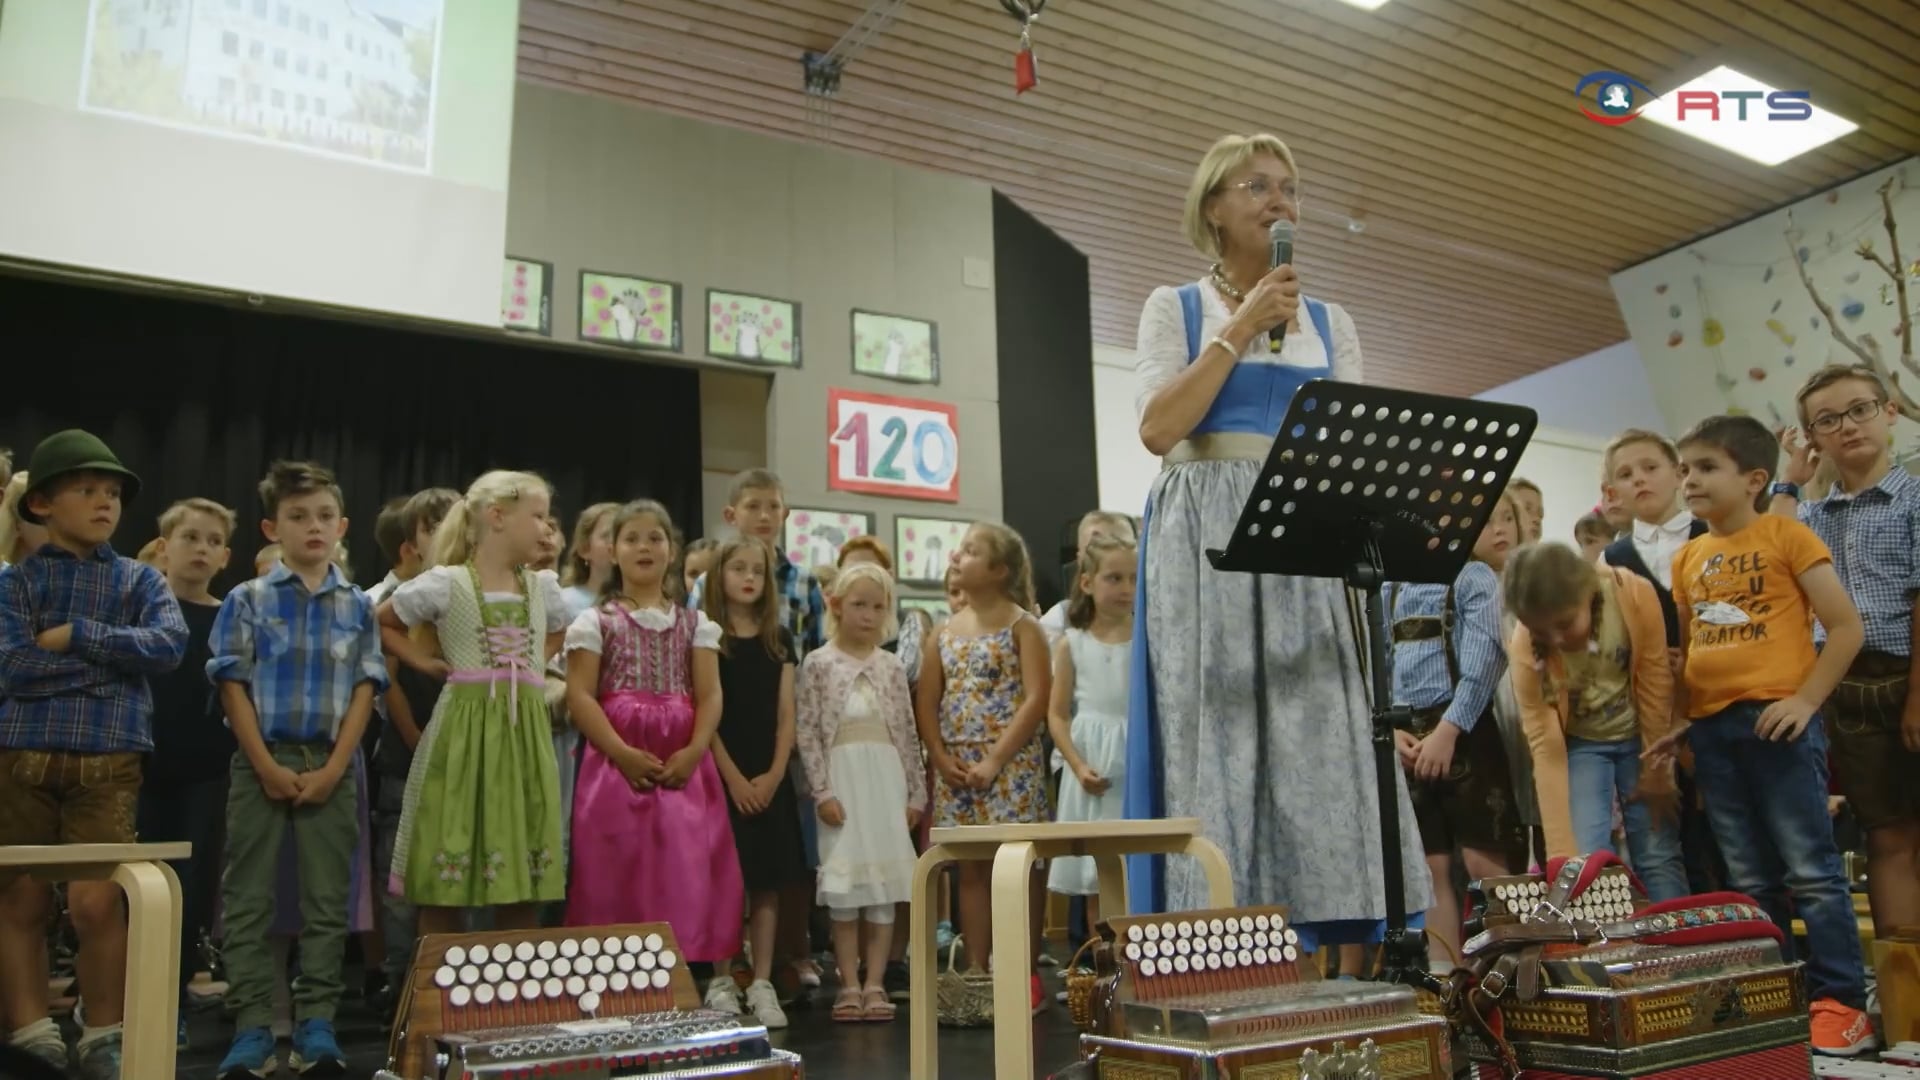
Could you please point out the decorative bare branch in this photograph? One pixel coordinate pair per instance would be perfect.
(1867, 348)
(1894, 271)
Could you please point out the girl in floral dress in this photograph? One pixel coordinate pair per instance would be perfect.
(480, 825)
(651, 839)
(982, 697)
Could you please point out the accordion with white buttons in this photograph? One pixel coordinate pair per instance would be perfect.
(594, 1002)
(1593, 981)
(1225, 993)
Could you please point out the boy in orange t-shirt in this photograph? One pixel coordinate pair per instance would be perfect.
(1747, 593)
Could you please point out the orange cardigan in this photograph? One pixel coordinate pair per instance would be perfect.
(1545, 723)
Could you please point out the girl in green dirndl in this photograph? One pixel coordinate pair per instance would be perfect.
(480, 824)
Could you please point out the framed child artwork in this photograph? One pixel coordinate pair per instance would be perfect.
(756, 329)
(814, 537)
(632, 312)
(526, 296)
(895, 347)
(922, 546)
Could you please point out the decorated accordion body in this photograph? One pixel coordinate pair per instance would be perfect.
(596, 1003)
(1617, 1005)
(1221, 995)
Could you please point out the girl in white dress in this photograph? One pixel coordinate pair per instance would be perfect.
(856, 741)
(1087, 715)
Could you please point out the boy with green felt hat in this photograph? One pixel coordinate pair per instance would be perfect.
(81, 629)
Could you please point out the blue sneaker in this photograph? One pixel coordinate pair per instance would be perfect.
(315, 1052)
(251, 1055)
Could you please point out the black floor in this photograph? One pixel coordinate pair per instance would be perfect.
(831, 1051)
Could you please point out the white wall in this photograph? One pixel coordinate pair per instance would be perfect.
(1599, 394)
(1726, 325)
(1126, 468)
(1566, 467)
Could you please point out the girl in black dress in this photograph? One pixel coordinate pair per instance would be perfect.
(755, 740)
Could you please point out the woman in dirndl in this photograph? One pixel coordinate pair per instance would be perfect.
(1249, 709)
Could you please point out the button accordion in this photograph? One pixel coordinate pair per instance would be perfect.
(1225, 994)
(596, 1003)
(1592, 981)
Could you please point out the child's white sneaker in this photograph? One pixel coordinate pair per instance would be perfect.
(723, 996)
(764, 1002)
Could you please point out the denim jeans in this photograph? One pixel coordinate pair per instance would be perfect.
(1768, 804)
(1597, 772)
(397, 917)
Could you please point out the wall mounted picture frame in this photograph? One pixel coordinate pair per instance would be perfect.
(922, 546)
(753, 329)
(813, 536)
(896, 347)
(630, 312)
(935, 606)
(526, 296)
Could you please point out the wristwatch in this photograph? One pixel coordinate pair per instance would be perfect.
(1791, 491)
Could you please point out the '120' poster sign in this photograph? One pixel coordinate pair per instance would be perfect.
(903, 448)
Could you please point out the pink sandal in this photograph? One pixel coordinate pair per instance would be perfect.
(878, 1008)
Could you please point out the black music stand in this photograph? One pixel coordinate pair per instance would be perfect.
(1368, 484)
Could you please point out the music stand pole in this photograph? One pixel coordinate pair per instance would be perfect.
(1367, 484)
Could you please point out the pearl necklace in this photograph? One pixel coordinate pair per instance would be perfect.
(1220, 282)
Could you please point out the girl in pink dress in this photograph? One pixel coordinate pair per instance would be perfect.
(651, 840)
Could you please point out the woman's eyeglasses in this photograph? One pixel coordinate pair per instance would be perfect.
(1859, 412)
(1262, 188)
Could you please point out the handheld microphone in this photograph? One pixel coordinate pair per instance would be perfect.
(1280, 244)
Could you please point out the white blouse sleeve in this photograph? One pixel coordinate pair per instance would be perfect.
(1346, 345)
(552, 600)
(1161, 351)
(583, 633)
(427, 597)
(706, 632)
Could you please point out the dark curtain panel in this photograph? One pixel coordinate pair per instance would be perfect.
(198, 398)
(1048, 472)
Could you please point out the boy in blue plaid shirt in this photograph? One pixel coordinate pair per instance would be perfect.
(81, 629)
(1871, 523)
(296, 655)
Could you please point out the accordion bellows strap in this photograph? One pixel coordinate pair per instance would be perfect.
(1504, 960)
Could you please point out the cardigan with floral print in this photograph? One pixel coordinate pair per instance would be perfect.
(826, 677)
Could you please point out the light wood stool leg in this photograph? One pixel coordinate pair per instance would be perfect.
(923, 1021)
(1012, 961)
(1112, 869)
(153, 963)
(1213, 862)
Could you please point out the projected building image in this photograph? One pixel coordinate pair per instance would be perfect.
(349, 77)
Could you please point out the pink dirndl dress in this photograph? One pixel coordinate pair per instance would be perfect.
(659, 855)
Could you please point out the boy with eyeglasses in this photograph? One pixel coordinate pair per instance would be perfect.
(1871, 523)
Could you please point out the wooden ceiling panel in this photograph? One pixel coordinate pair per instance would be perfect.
(1490, 212)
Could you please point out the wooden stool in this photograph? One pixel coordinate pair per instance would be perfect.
(1013, 849)
(1896, 965)
(153, 935)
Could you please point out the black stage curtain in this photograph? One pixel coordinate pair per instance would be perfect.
(1044, 326)
(198, 398)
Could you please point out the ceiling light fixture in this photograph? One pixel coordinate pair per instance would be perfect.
(1738, 112)
(1366, 5)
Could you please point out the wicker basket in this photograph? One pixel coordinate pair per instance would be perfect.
(963, 998)
(1080, 983)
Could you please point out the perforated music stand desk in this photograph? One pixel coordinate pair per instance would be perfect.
(153, 935)
(1368, 484)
